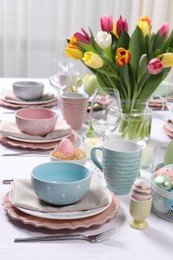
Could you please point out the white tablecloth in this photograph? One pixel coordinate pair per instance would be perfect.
(154, 242)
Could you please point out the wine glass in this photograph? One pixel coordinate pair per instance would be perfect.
(61, 68)
(61, 71)
(105, 112)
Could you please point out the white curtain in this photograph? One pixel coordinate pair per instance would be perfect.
(30, 29)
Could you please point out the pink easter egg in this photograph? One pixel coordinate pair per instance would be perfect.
(66, 147)
(166, 172)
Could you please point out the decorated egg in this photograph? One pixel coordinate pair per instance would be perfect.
(165, 171)
(66, 147)
(141, 190)
(163, 182)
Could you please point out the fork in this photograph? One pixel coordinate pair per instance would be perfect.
(92, 239)
(34, 153)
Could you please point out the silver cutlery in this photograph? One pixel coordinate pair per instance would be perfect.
(92, 239)
(26, 154)
(8, 112)
(7, 181)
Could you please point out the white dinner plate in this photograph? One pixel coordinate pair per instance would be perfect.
(66, 215)
(38, 140)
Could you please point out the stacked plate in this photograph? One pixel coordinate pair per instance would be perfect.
(62, 218)
(8, 99)
(157, 104)
(10, 135)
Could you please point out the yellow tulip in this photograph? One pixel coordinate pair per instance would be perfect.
(92, 60)
(114, 30)
(166, 59)
(145, 25)
(74, 53)
(72, 50)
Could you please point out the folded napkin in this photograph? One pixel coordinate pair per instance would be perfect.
(9, 95)
(23, 196)
(10, 129)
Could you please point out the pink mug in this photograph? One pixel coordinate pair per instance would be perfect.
(74, 108)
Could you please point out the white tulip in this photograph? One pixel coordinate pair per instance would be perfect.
(103, 39)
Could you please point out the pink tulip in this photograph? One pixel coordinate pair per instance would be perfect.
(83, 37)
(165, 30)
(121, 26)
(155, 66)
(106, 23)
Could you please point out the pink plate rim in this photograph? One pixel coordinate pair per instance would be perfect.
(52, 224)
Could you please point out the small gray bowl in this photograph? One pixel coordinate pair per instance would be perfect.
(61, 183)
(28, 90)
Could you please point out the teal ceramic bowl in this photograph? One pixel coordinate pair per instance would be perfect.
(61, 183)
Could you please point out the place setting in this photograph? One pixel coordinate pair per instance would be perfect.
(69, 198)
(35, 128)
(157, 100)
(28, 94)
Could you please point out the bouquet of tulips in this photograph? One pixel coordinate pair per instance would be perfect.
(134, 64)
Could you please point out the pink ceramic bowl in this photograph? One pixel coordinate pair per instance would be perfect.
(36, 121)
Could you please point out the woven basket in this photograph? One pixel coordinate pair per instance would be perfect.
(162, 202)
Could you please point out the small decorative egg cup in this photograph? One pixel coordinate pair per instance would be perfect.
(139, 210)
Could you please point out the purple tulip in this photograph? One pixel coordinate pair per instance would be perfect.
(121, 26)
(83, 37)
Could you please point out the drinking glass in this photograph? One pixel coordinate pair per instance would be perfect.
(105, 112)
(60, 76)
(62, 66)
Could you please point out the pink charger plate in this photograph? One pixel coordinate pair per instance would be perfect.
(50, 104)
(53, 224)
(42, 146)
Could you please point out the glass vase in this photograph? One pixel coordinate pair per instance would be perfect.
(136, 124)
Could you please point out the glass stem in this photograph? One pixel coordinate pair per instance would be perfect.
(104, 138)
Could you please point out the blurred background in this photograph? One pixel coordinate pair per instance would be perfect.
(30, 30)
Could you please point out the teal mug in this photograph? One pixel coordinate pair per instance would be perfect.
(120, 164)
